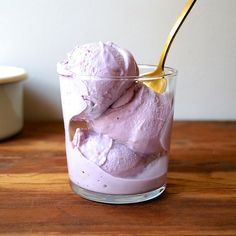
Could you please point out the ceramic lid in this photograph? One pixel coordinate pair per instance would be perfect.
(10, 74)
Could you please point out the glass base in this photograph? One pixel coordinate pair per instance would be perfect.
(117, 198)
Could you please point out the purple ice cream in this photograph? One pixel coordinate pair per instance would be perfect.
(143, 113)
(123, 147)
(113, 157)
(101, 60)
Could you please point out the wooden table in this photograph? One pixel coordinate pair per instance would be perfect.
(35, 198)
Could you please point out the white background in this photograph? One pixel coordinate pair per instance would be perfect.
(35, 34)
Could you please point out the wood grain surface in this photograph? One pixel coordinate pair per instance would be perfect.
(35, 197)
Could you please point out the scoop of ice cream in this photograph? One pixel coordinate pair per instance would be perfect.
(101, 59)
(114, 158)
(136, 119)
(100, 66)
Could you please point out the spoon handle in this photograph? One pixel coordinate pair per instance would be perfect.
(159, 85)
(187, 8)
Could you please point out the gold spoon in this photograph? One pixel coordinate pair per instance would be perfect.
(159, 85)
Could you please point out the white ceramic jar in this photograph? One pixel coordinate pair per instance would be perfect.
(11, 100)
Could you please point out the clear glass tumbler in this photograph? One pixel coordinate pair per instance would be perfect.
(117, 135)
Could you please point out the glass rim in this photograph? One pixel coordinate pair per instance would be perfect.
(168, 72)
